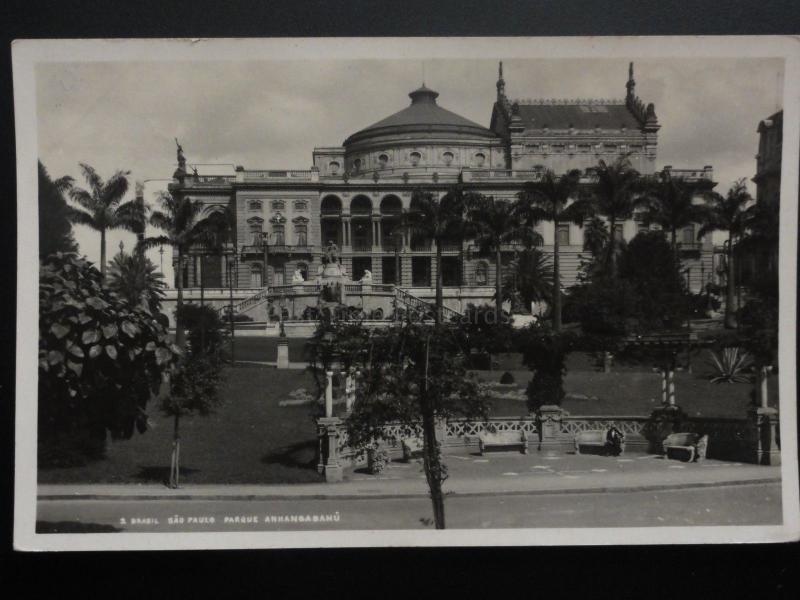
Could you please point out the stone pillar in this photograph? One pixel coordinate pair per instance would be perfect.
(346, 232)
(283, 353)
(440, 429)
(329, 394)
(671, 387)
(606, 362)
(767, 423)
(376, 232)
(551, 416)
(328, 463)
(349, 392)
(664, 397)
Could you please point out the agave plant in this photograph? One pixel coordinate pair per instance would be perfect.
(730, 366)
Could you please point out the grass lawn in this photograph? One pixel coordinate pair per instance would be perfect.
(637, 393)
(265, 349)
(249, 439)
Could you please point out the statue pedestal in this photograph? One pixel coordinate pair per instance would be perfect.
(328, 461)
(283, 353)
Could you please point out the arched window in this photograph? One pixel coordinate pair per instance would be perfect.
(331, 205)
(333, 168)
(357, 165)
(361, 205)
(482, 273)
(383, 160)
(688, 234)
(415, 157)
(448, 158)
(480, 159)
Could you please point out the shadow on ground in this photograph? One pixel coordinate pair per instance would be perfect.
(160, 474)
(302, 455)
(73, 527)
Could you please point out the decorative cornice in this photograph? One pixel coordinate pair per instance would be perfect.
(569, 101)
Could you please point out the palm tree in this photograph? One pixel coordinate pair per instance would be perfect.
(135, 279)
(729, 214)
(494, 223)
(531, 279)
(615, 187)
(762, 220)
(549, 200)
(669, 202)
(439, 220)
(101, 207)
(178, 219)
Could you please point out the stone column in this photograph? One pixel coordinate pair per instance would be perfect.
(767, 423)
(328, 394)
(328, 463)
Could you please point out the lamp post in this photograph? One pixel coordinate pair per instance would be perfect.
(231, 270)
(265, 245)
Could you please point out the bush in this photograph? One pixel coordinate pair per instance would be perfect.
(545, 352)
(506, 378)
(100, 360)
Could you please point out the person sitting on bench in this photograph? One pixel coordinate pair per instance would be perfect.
(614, 439)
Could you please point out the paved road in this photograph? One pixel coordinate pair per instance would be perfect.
(724, 505)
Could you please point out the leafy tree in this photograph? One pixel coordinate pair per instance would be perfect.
(603, 306)
(530, 279)
(614, 189)
(495, 223)
(480, 332)
(135, 279)
(100, 359)
(653, 271)
(549, 200)
(195, 385)
(669, 202)
(544, 351)
(729, 214)
(762, 221)
(412, 374)
(179, 220)
(55, 229)
(439, 220)
(101, 207)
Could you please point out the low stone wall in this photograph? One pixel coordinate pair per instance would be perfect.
(753, 439)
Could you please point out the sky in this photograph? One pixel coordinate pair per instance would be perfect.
(271, 114)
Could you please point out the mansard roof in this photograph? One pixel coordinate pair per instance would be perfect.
(577, 114)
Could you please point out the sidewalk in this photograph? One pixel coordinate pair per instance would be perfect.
(469, 476)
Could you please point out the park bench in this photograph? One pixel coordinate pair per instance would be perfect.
(503, 439)
(593, 438)
(683, 444)
(412, 448)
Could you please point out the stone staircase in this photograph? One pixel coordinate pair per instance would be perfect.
(402, 297)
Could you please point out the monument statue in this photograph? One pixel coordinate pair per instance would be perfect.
(331, 253)
(181, 157)
(367, 276)
(297, 277)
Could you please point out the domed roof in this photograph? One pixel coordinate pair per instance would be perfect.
(422, 116)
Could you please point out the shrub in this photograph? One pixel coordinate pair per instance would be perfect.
(506, 378)
(731, 366)
(100, 359)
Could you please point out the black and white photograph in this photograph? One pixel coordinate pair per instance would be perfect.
(406, 292)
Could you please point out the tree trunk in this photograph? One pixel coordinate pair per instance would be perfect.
(175, 467)
(179, 335)
(432, 463)
(103, 253)
(556, 281)
(498, 284)
(439, 299)
(730, 295)
(674, 241)
(612, 250)
(202, 304)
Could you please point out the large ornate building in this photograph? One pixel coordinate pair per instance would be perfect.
(354, 195)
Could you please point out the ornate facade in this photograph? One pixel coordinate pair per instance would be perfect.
(354, 194)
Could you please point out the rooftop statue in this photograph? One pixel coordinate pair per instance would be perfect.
(181, 157)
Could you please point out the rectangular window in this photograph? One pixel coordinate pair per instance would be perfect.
(688, 235)
(563, 234)
(278, 238)
(619, 232)
(451, 271)
(389, 269)
(301, 235)
(421, 271)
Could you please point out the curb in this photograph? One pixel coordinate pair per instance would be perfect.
(386, 496)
